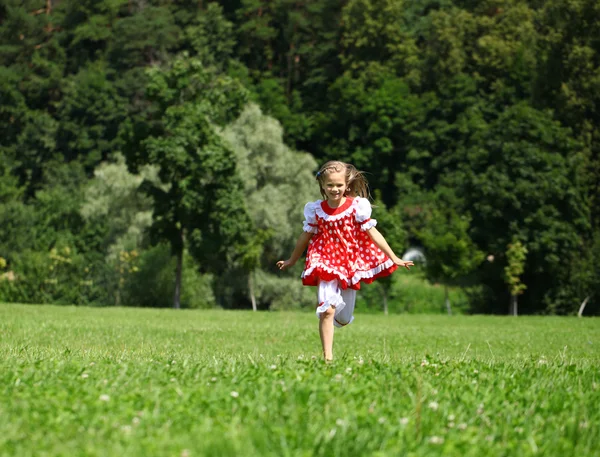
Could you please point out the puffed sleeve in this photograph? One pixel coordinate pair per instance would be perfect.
(363, 214)
(310, 218)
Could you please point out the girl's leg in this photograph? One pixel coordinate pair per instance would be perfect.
(330, 302)
(345, 315)
(326, 333)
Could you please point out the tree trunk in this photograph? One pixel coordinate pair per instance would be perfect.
(385, 301)
(177, 296)
(288, 87)
(512, 310)
(251, 290)
(447, 301)
(582, 307)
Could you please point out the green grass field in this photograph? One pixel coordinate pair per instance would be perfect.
(137, 382)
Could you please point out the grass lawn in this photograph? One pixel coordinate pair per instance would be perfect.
(139, 382)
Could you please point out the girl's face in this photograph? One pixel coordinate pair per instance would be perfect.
(335, 187)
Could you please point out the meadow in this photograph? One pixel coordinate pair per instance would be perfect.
(142, 382)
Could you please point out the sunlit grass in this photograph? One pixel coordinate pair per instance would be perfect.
(89, 381)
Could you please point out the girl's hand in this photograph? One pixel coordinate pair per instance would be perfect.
(403, 263)
(283, 264)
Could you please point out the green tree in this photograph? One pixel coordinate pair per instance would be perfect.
(451, 253)
(520, 175)
(378, 32)
(390, 224)
(89, 114)
(373, 122)
(114, 200)
(516, 254)
(203, 205)
(277, 182)
(211, 36)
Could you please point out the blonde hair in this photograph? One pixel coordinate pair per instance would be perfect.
(356, 183)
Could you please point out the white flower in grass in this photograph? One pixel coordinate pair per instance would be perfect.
(542, 360)
(381, 420)
(126, 429)
(341, 422)
(104, 397)
(450, 424)
(85, 375)
(349, 370)
(451, 417)
(273, 367)
(213, 379)
(434, 405)
(436, 440)
(135, 420)
(234, 394)
(185, 453)
(403, 420)
(462, 426)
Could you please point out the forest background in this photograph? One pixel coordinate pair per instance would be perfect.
(151, 152)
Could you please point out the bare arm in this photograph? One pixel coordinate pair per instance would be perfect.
(379, 240)
(298, 250)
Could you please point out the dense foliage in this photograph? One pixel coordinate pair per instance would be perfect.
(143, 144)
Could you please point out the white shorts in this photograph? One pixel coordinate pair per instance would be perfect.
(330, 294)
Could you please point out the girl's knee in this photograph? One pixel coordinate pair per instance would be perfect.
(328, 313)
(341, 321)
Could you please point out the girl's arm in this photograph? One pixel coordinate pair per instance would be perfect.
(298, 250)
(379, 240)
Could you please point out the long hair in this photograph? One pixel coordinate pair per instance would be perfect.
(356, 183)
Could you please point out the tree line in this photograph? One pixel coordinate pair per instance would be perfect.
(152, 151)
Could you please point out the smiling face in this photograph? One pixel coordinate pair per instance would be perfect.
(334, 186)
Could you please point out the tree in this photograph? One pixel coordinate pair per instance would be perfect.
(89, 115)
(390, 224)
(372, 123)
(451, 254)
(520, 175)
(204, 203)
(378, 31)
(516, 254)
(277, 182)
(113, 199)
(211, 36)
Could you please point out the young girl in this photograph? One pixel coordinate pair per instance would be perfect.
(344, 247)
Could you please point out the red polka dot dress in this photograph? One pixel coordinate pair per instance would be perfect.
(341, 249)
